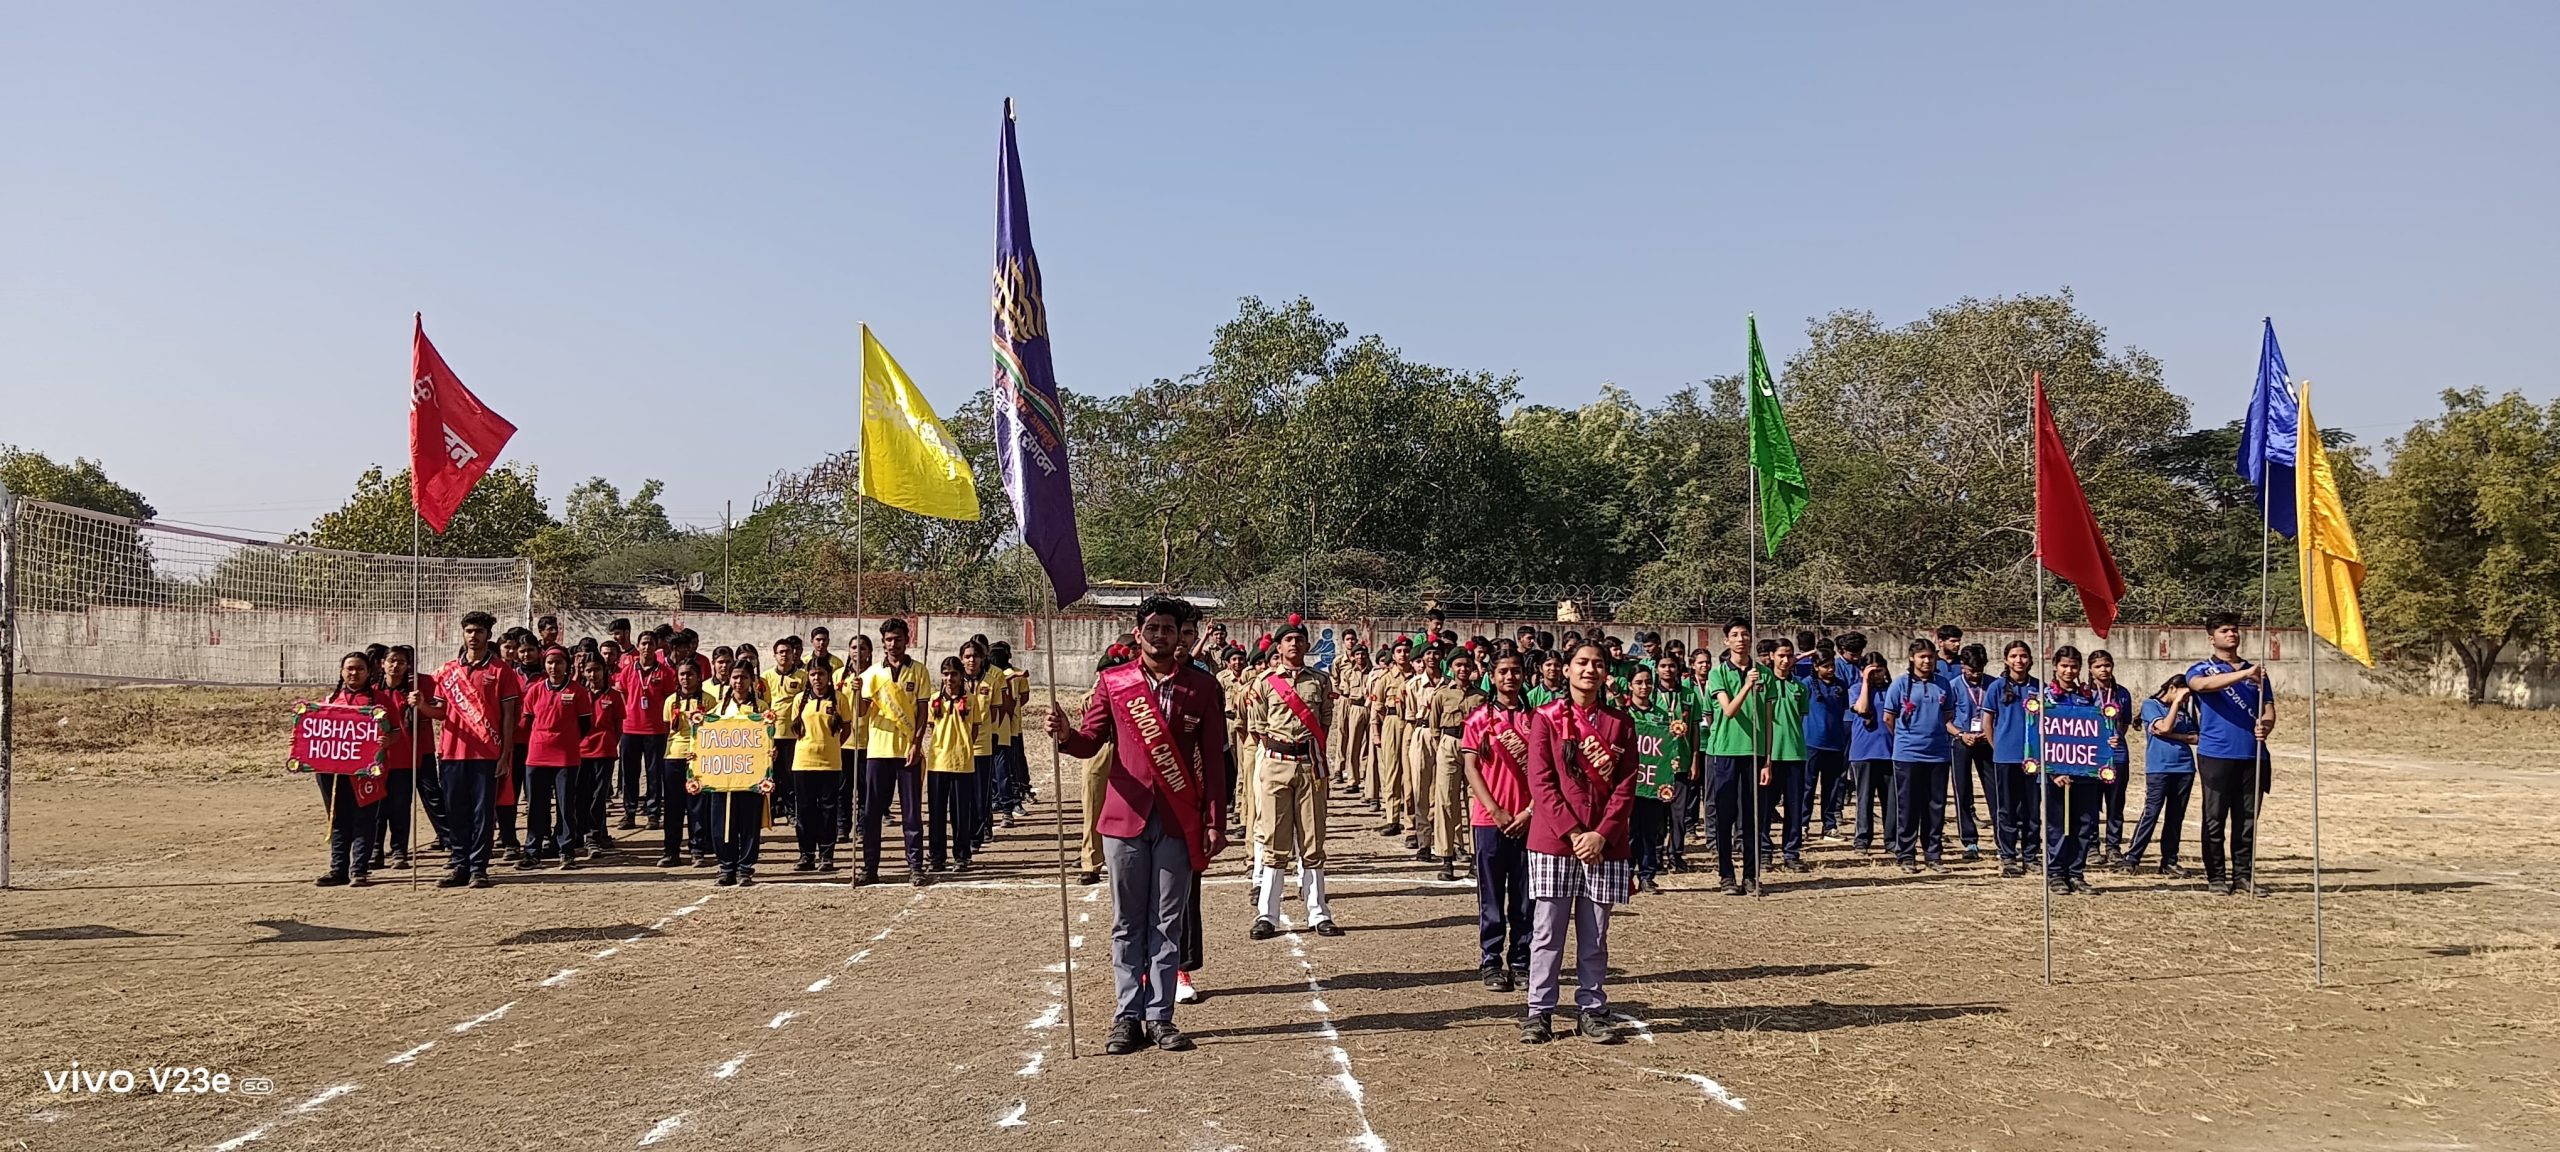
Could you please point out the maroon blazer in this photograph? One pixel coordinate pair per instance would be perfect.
(1566, 797)
(1199, 723)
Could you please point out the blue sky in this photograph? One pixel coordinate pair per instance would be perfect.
(645, 232)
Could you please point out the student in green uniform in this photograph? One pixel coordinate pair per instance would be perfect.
(1783, 784)
(1733, 735)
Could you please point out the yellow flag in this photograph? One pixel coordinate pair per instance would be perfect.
(908, 459)
(2332, 566)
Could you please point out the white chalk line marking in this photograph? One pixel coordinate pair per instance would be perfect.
(780, 1018)
(1014, 1118)
(1368, 1139)
(491, 1016)
(326, 1095)
(661, 1130)
(857, 958)
(413, 1055)
(1714, 1091)
(607, 954)
(1033, 1068)
(731, 1066)
(820, 985)
(1644, 1028)
(1048, 1018)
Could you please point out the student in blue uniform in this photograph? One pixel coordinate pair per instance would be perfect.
(1871, 754)
(2234, 713)
(1826, 732)
(2004, 710)
(1921, 708)
(1969, 754)
(2168, 774)
(2102, 683)
(2070, 805)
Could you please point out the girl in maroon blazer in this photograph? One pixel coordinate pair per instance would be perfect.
(1582, 794)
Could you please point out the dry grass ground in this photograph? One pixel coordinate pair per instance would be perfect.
(167, 917)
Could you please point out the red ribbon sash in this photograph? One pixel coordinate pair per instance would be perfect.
(1164, 763)
(1297, 707)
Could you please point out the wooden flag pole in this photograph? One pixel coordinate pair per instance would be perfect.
(2311, 696)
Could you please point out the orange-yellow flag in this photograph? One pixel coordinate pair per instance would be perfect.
(2332, 566)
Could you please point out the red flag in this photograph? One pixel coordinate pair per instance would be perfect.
(2068, 542)
(453, 437)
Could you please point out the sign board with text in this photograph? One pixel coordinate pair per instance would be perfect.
(732, 755)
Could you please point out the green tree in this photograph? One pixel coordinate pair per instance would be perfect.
(604, 523)
(2462, 536)
(83, 483)
(501, 514)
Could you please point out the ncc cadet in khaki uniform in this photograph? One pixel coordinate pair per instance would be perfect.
(1441, 721)
(1350, 747)
(1386, 707)
(1290, 708)
(1421, 690)
(1234, 681)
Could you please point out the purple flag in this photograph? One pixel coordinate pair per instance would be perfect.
(1031, 428)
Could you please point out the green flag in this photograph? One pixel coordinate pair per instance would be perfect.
(1773, 452)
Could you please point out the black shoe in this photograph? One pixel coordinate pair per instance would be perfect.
(360, 880)
(2218, 887)
(1910, 868)
(2084, 887)
(2248, 888)
(2172, 871)
(1127, 1036)
(1391, 828)
(1592, 1026)
(1537, 1029)
(1494, 978)
(1934, 866)
(512, 852)
(1088, 879)
(826, 865)
(1168, 1038)
(2059, 887)
(1650, 888)
(867, 878)
(454, 880)
(653, 824)
(1972, 854)
(746, 879)
(482, 880)
(805, 865)
(669, 862)
(438, 846)
(1729, 888)
(528, 862)
(1448, 871)
(1261, 930)
(627, 823)
(727, 879)
(568, 860)
(2013, 869)
(915, 878)
(331, 880)
(1798, 866)
(1328, 928)
(400, 860)
(962, 866)
(1512, 976)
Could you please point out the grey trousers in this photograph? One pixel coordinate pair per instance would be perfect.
(1590, 921)
(1150, 911)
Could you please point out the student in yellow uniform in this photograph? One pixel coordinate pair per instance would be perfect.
(953, 719)
(740, 815)
(1013, 770)
(682, 712)
(817, 764)
(893, 697)
(785, 690)
(986, 690)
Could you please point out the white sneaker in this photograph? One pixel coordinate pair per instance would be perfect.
(1183, 992)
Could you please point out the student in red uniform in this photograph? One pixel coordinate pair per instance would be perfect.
(558, 712)
(645, 684)
(350, 824)
(1582, 789)
(404, 745)
(516, 646)
(474, 704)
(596, 751)
(1495, 749)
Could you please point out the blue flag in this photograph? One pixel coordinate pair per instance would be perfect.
(1031, 427)
(2267, 441)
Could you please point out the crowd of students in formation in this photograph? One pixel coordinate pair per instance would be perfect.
(1561, 776)
(522, 723)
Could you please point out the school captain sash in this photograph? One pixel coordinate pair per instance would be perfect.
(1297, 707)
(462, 698)
(1164, 769)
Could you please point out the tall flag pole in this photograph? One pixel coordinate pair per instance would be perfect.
(2332, 610)
(1775, 496)
(453, 439)
(2069, 545)
(1031, 447)
(2269, 436)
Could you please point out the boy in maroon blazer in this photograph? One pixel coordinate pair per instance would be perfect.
(1163, 811)
(1582, 794)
